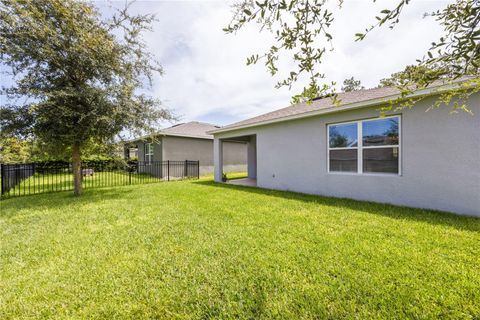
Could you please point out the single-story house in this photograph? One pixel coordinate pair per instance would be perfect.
(189, 141)
(408, 157)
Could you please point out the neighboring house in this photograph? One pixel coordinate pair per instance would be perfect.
(131, 153)
(189, 141)
(410, 157)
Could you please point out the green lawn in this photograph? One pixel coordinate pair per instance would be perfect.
(236, 175)
(197, 250)
(42, 183)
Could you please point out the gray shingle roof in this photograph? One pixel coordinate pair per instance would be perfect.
(193, 129)
(346, 98)
(190, 129)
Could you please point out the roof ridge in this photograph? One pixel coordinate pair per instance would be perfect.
(175, 125)
(201, 122)
(193, 121)
(316, 100)
(345, 98)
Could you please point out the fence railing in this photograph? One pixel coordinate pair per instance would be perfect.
(41, 177)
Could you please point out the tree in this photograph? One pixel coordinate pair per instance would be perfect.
(409, 74)
(80, 77)
(301, 28)
(351, 84)
(14, 150)
(337, 139)
(41, 151)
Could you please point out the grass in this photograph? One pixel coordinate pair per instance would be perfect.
(196, 250)
(236, 175)
(54, 182)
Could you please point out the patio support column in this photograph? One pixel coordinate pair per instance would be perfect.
(218, 159)
(252, 157)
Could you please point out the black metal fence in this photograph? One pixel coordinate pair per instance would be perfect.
(33, 178)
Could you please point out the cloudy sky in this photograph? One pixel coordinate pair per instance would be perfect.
(206, 78)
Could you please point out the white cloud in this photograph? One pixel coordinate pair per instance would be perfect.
(206, 77)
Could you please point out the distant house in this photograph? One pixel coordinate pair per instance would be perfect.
(189, 141)
(131, 153)
(410, 157)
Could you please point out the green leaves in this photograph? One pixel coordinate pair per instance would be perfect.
(300, 28)
(455, 55)
(82, 73)
(351, 84)
(359, 36)
(459, 49)
(296, 26)
(253, 59)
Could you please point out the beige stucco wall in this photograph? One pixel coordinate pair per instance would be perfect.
(440, 159)
(180, 149)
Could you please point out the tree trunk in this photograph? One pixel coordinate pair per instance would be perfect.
(77, 170)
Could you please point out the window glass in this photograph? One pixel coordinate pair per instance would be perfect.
(343, 135)
(380, 160)
(380, 132)
(343, 160)
(148, 152)
(379, 148)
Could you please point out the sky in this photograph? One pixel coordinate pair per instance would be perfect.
(206, 78)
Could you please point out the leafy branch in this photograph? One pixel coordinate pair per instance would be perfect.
(301, 28)
(297, 26)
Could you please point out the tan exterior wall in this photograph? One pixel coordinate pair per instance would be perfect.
(180, 149)
(176, 148)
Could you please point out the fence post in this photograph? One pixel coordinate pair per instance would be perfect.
(129, 175)
(2, 174)
(168, 170)
(185, 171)
(198, 169)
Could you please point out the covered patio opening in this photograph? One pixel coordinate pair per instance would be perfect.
(251, 141)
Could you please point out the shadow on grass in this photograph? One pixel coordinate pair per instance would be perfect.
(54, 200)
(10, 206)
(386, 210)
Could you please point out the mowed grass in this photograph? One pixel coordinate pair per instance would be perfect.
(54, 182)
(197, 250)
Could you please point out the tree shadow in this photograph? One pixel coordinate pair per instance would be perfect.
(434, 217)
(56, 200)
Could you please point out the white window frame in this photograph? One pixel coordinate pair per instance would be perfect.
(148, 152)
(360, 147)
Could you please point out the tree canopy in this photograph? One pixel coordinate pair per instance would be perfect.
(404, 77)
(80, 77)
(302, 31)
(351, 84)
(14, 150)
